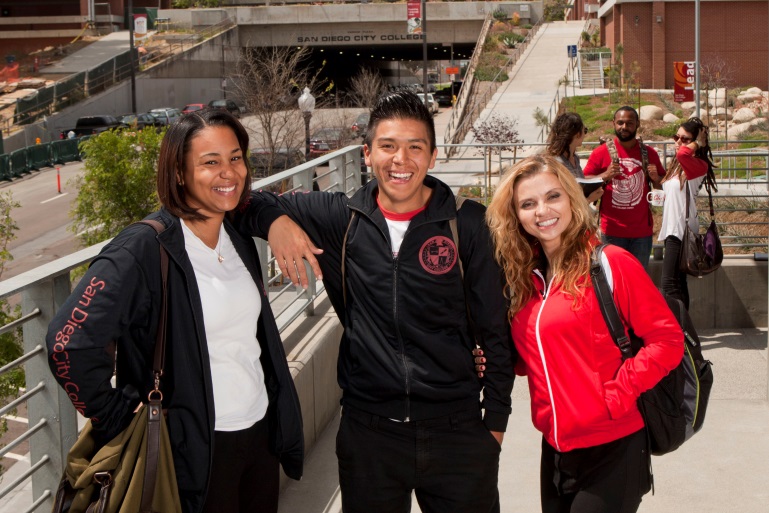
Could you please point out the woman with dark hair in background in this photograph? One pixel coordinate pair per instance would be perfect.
(566, 135)
(691, 164)
(232, 411)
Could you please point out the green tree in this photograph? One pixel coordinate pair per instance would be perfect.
(118, 186)
(11, 346)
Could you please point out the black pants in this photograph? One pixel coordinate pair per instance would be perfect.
(451, 463)
(607, 478)
(673, 282)
(244, 474)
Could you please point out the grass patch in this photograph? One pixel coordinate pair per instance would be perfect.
(667, 131)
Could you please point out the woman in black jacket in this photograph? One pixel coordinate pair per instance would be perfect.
(232, 410)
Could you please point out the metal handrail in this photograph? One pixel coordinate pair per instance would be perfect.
(480, 100)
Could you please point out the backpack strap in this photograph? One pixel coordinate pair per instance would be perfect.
(455, 234)
(603, 294)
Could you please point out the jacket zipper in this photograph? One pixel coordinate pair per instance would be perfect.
(541, 350)
(401, 345)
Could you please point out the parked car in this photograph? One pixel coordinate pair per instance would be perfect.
(227, 105)
(192, 107)
(92, 125)
(443, 97)
(166, 116)
(329, 139)
(140, 120)
(282, 159)
(361, 124)
(432, 106)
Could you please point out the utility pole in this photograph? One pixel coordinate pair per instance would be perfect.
(130, 21)
(697, 57)
(424, 49)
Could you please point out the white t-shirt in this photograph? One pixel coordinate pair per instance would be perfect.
(397, 225)
(231, 309)
(673, 217)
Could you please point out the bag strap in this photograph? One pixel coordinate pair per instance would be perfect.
(455, 234)
(155, 408)
(605, 299)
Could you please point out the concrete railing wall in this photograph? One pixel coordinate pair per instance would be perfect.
(734, 296)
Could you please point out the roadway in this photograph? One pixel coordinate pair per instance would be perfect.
(43, 218)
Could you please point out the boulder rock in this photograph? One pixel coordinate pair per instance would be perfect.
(651, 112)
(749, 97)
(722, 113)
(688, 105)
(670, 118)
(738, 129)
(753, 90)
(743, 115)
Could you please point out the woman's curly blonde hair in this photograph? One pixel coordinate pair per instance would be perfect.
(518, 253)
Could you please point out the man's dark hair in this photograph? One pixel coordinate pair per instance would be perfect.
(629, 109)
(400, 105)
(174, 149)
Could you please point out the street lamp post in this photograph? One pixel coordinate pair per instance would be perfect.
(306, 105)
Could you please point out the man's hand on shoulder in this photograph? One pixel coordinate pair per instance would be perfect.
(290, 244)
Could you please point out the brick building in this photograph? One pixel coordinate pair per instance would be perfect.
(655, 34)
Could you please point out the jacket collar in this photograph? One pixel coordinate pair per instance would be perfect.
(442, 204)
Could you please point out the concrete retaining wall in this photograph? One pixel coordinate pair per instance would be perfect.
(312, 345)
(735, 296)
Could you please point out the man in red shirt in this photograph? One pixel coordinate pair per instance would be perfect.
(626, 219)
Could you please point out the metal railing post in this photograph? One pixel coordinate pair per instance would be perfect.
(51, 405)
(337, 173)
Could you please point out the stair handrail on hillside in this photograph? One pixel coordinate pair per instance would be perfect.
(451, 136)
(479, 99)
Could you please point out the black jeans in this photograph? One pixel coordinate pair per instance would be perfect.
(244, 475)
(607, 478)
(673, 282)
(451, 463)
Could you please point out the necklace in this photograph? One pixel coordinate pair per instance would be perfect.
(218, 251)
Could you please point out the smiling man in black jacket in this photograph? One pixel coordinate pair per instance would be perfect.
(413, 306)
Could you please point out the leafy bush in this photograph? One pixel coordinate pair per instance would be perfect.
(11, 346)
(499, 15)
(488, 73)
(118, 186)
(555, 10)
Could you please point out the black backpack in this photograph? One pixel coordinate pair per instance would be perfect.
(674, 409)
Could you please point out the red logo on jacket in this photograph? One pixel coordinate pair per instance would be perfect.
(438, 255)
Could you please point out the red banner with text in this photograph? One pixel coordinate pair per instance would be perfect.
(683, 81)
(414, 14)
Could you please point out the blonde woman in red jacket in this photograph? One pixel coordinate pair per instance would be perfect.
(583, 396)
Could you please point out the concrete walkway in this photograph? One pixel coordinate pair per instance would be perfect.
(723, 468)
(532, 84)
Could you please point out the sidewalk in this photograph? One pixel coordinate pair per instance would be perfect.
(723, 468)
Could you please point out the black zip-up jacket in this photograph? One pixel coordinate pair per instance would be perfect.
(118, 301)
(406, 348)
